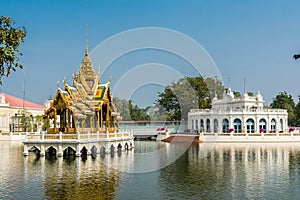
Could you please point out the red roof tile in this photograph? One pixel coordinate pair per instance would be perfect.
(17, 102)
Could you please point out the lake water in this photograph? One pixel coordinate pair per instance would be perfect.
(226, 171)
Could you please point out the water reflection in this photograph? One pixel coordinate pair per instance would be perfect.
(229, 171)
(69, 178)
(234, 171)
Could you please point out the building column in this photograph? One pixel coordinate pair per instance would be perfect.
(256, 125)
(25, 152)
(59, 150)
(43, 153)
(78, 153)
(268, 124)
(220, 125)
(107, 147)
(230, 122)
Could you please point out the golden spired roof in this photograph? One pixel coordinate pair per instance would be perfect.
(87, 76)
(84, 104)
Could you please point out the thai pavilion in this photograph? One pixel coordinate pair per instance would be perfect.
(84, 106)
(238, 115)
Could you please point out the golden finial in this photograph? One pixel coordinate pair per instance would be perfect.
(86, 42)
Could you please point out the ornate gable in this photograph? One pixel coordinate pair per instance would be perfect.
(62, 99)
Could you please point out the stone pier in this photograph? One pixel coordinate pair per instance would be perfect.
(96, 142)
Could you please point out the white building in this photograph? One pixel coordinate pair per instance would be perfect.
(239, 115)
(11, 111)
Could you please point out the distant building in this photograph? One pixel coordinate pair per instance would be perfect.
(18, 115)
(238, 115)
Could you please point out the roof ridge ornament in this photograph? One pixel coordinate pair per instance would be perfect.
(87, 41)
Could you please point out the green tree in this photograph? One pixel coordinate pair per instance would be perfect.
(26, 119)
(122, 107)
(215, 87)
(237, 94)
(168, 104)
(250, 94)
(285, 101)
(10, 39)
(188, 93)
(137, 113)
(129, 111)
(297, 112)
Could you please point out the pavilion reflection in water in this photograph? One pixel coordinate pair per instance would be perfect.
(77, 178)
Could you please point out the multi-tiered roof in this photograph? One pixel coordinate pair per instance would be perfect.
(86, 101)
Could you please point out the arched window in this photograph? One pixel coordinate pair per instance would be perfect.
(273, 126)
(225, 125)
(237, 125)
(262, 125)
(201, 125)
(196, 125)
(216, 124)
(250, 125)
(207, 125)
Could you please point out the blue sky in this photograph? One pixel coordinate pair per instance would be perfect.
(246, 39)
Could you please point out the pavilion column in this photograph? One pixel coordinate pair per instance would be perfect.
(92, 122)
(101, 117)
(54, 121)
(98, 115)
(107, 110)
(73, 122)
(69, 121)
(65, 119)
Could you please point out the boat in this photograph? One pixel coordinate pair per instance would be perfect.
(191, 138)
(162, 133)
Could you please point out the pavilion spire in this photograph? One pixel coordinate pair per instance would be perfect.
(86, 42)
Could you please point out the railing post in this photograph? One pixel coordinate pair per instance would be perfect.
(89, 136)
(60, 135)
(43, 136)
(78, 135)
(25, 152)
(26, 137)
(107, 135)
